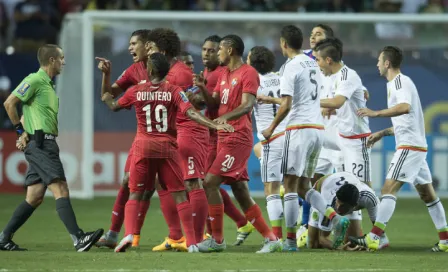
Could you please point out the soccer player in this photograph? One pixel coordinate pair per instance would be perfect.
(157, 104)
(263, 60)
(133, 75)
(234, 97)
(186, 58)
(37, 137)
(409, 163)
(348, 98)
(212, 72)
(347, 195)
(192, 139)
(299, 89)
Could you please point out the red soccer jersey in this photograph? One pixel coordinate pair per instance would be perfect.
(156, 107)
(133, 75)
(231, 86)
(182, 76)
(211, 79)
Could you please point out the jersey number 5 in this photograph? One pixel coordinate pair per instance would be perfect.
(161, 116)
(314, 82)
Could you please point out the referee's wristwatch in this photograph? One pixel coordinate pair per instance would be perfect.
(19, 129)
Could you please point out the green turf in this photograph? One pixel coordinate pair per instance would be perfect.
(410, 231)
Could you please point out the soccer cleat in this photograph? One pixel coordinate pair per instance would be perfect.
(108, 240)
(439, 247)
(302, 237)
(167, 243)
(205, 236)
(193, 249)
(180, 246)
(271, 246)
(243, 233)
(125, 243)
(365, 241)
(210, 245)
(136, 240)
(10, 246)
(290, 245)
(87, 240)
(384, 241)
(340, 229)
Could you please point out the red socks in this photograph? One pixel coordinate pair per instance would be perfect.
(143, 209)
(169, 210)
(118, 210)
(254, 215)
(198, 201)
(130, 218)
(185, 214)
(231, 210)
(216, 213)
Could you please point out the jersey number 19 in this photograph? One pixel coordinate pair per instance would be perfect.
(161, 116)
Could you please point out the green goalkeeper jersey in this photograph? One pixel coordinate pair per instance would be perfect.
(40, 103)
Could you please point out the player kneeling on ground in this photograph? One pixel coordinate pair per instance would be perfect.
(347, 195)
(155, 149)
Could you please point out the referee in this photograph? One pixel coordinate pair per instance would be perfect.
(37, 138)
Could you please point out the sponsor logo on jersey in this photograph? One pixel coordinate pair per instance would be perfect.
(234, 82)
(223, 82)
(142, 82)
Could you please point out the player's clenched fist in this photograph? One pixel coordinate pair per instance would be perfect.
(225, 127)
(104, 65)
(106, 96)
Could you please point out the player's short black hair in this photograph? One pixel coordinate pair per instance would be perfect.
(348, 194)
(141, 34)
(184, 54)
(293, 36)
(262, 59)
(394, 55)
(327, 29)
(166, 40)
(330, 47)
(159, 64)
(47, 51)
(235, 42)
(213, 38)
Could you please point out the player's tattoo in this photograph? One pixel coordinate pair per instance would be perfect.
(388, 132)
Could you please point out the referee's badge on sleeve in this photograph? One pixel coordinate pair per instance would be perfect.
(24, 88)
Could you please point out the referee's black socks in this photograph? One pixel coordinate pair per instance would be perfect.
(67, 215)
(18, 218)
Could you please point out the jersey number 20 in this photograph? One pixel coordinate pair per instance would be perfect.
(161, 116)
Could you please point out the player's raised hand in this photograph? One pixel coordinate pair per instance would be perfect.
(367, 112)
(225, 127)
(373, 138)
(107, 96)
(104, 65)
(198, 79)
(264, 99)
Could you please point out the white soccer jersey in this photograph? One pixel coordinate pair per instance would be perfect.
(347, 83)
(300, 78)
(265, 113)
(409, 128)
(331, 184)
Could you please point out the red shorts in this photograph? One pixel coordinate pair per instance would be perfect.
(127, 166)
(211, 156)
(143, 173)
(193, 155)
(231, 162)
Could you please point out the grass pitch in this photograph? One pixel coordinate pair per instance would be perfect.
(411, 233)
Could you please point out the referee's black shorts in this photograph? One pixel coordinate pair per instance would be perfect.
(44, 164)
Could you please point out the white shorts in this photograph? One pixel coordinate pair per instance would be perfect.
(271, 160)
(319, 221)
(409, 166)
(357, 157)
(331, 138)
(300, 152)
(329, 161)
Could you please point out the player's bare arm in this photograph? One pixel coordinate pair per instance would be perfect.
(285, 107)
(264, 99)
(397, 110)
(201, 119)
(375, 137)
(11, 109)
(246, 106)
(212, 101)
(333, 103)
(105, 66)
(108, 99)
